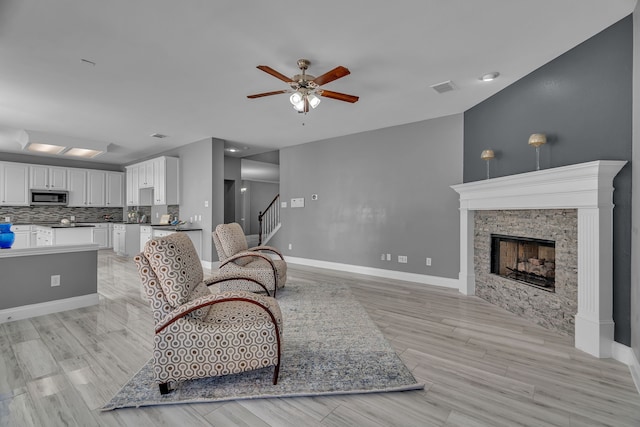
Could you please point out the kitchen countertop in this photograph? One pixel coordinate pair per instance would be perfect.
(175, 227)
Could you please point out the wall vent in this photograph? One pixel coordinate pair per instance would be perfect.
(444, 87)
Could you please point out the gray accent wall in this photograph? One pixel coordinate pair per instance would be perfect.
(582, 100)
(635, 206)
(383, 191)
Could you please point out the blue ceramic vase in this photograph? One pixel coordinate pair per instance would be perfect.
(6, 235)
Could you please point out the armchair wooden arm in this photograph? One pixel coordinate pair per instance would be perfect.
(267, 249)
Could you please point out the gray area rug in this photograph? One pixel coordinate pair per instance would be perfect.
(330, 346)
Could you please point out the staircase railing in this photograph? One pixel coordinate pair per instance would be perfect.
(269, 220)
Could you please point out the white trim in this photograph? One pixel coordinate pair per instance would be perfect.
(48, 250)
(49, 307)
(377, 272)
(587, 187)
(634, 367)
(625, 354)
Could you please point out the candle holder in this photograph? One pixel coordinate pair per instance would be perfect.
(536, 140)
(487, 155)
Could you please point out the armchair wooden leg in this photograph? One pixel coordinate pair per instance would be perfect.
(164, 388)
(276, 371)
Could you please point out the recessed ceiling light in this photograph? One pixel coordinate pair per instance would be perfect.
(490, 76)
(82, 152)
(45, 148)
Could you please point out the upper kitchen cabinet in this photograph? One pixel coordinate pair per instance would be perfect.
(48, 177)
(14, 184)
(133, 190)
(95, 188)
(77, 183)
(163, 179)
(146, 174)
(114, 189)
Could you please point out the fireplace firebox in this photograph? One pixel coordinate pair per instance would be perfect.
(526, 260)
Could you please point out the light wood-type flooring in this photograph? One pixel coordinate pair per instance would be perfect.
(481, 366)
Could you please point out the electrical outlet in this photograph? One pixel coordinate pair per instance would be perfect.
(429, 262)
(388, 257)
(7, 219)
(382, 258)
(55, 280)
(290, 246)
(402, 259)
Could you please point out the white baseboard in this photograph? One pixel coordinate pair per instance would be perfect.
(634, 367)
(377, 272)
(49, 307)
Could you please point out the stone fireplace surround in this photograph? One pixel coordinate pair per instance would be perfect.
(552, 310)
(587, 187)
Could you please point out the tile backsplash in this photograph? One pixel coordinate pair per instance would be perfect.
(42, 214)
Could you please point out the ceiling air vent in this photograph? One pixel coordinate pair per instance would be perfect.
(444, 87)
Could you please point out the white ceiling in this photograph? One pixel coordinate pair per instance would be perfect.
(184, 68)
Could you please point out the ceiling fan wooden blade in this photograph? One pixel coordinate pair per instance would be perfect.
(339, 96)
(274, 73)
(260, 95)
(332, 75)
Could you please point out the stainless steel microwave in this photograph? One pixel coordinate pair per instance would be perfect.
(48, 198)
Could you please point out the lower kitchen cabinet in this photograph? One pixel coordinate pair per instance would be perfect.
(145, 235)
(101, 235)
(126, 239)
(22, 236)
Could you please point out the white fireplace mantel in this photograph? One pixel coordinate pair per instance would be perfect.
(587, 187)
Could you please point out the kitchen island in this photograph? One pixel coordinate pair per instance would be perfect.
(64, 234)
(47, 279)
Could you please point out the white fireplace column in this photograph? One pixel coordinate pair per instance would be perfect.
(587, 187)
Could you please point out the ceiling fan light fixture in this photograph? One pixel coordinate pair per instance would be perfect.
(314, 101)
(296, 98)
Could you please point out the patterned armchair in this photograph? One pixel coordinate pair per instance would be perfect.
(194, 328)
(236, 258)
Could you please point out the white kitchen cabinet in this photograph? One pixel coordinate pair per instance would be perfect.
(145, 235)
(133, 191)
(48, 177)
(146, 174)
(114, 189)
(119, 239)
(100, 234)
(44, 236)
(126, 239)
(96, 185)
(22, 236)
(166, 183)
(14, 184)
(77, 184)
(160, 175)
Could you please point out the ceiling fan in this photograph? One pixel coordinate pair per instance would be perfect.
(305, 88)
